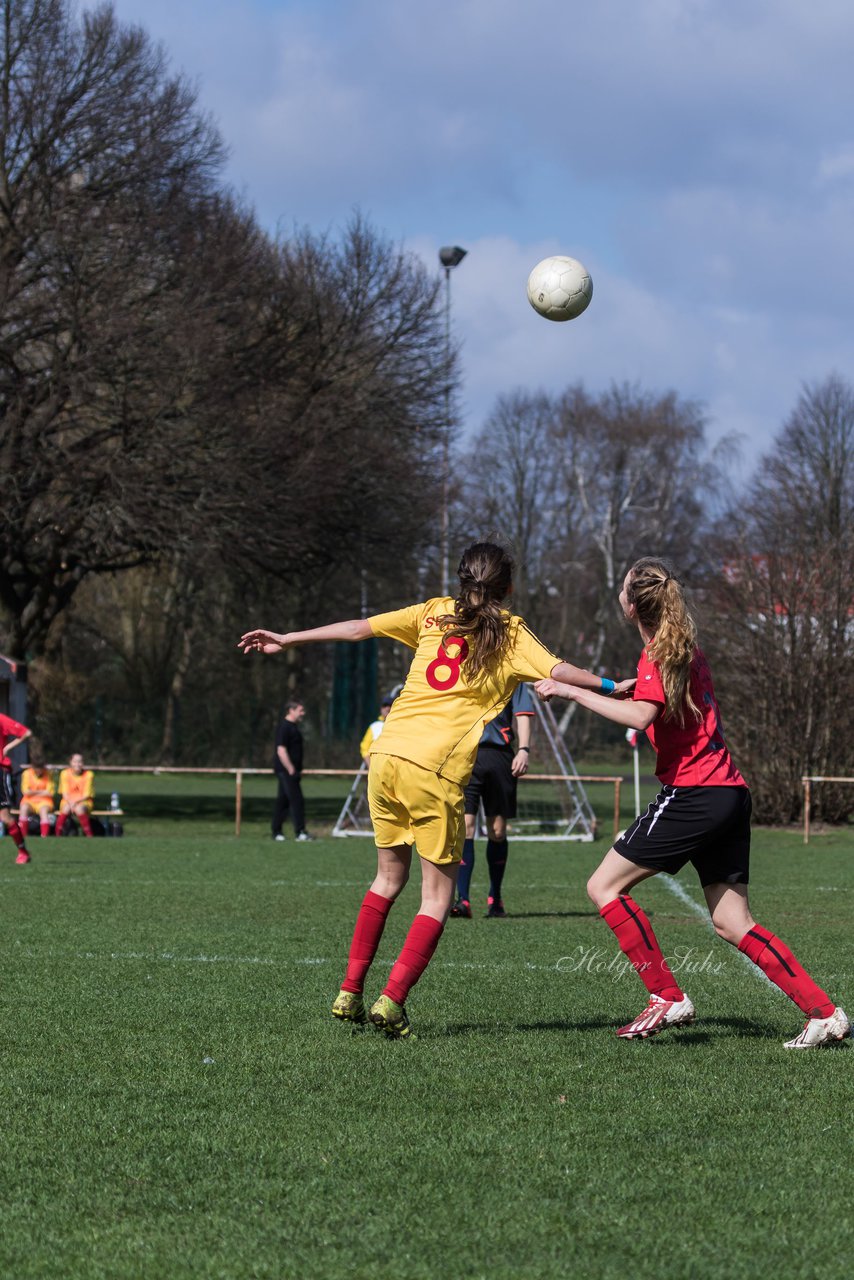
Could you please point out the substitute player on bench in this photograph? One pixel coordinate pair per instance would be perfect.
(37, 795)
(76, 795)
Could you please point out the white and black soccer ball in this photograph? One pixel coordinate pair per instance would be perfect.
(560, 288)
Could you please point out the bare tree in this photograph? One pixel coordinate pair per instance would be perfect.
(787, 598)
(508, 491)
(343, 448)
(113, 244)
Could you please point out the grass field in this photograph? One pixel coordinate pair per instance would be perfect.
(177, 1101)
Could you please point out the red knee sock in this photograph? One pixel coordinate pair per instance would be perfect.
(83, 819)
(366, 938)
(421, 942)
(637, 941)
(44, 828)
(17, 834)
(776, 961)
(60, 823)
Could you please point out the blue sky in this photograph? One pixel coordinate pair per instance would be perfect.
(696, 155)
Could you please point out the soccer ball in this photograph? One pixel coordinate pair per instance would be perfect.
(560, 288)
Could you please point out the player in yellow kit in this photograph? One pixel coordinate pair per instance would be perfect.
(470, 653)
(76, 795)
(37, 794)
(374, 729)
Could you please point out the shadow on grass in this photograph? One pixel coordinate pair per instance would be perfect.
(490, 1028)
(703, 1033)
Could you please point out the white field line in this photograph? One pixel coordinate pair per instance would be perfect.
(684, 896)
(170, 957)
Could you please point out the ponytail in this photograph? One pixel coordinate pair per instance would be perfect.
(486, 577)
(659, 600)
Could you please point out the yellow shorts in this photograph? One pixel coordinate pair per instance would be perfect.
(411, 805)
(38, 802)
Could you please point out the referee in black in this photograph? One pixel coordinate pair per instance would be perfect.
(500, 763)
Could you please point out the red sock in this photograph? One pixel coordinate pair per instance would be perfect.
(17, 834)
(637, 941)
(366, 938)
(60, 823)
(777, 962)
(83, 819)
(44, 828)
(421, 941)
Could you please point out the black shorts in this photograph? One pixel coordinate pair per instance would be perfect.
(706, 826)
(492, 781)
(7, 789)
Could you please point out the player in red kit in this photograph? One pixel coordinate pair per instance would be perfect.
(701, 816)
(12, 735)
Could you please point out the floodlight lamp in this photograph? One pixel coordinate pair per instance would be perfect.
(451, 256)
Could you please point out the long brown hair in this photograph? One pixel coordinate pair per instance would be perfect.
(659, 599)
(486, 577)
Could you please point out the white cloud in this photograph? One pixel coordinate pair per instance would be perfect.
(696, 154)
(837, 164)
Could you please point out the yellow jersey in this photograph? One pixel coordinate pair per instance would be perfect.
(438, 718)
(36, 784)
(370, 735)
(75, 787)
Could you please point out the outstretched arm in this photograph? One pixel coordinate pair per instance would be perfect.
(635, 715)
(272, 642)
(566, 673)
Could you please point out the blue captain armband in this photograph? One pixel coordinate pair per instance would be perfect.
(608, 686)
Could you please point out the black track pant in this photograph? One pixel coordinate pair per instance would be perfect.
(289, 799)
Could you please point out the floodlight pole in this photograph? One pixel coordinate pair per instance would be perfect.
(450, 256)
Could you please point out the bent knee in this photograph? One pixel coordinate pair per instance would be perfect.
(599, 892)
(729, 931)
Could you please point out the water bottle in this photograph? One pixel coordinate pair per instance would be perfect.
(114, 801)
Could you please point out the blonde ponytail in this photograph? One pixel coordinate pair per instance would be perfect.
(659, 600)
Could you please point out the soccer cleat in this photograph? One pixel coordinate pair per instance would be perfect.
(391, 1018)
(461, 909)
(303, 835)
(822, 1031)
(277, 835)
(23, 857)
(349, 1007)
(495, 909)
(658, 1015)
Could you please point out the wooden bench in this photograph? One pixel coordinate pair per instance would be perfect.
(94, 813)
(108, 814)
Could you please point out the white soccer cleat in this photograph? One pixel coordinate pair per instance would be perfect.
(658, 1015)
(822, 1031)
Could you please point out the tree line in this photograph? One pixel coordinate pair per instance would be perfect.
(203, 426)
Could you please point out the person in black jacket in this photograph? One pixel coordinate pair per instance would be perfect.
(287, 763)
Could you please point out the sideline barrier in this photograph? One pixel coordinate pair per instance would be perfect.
(808, 781)
(240, 774)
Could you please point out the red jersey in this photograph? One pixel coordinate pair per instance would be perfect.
(694, 754)
(8, 729)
